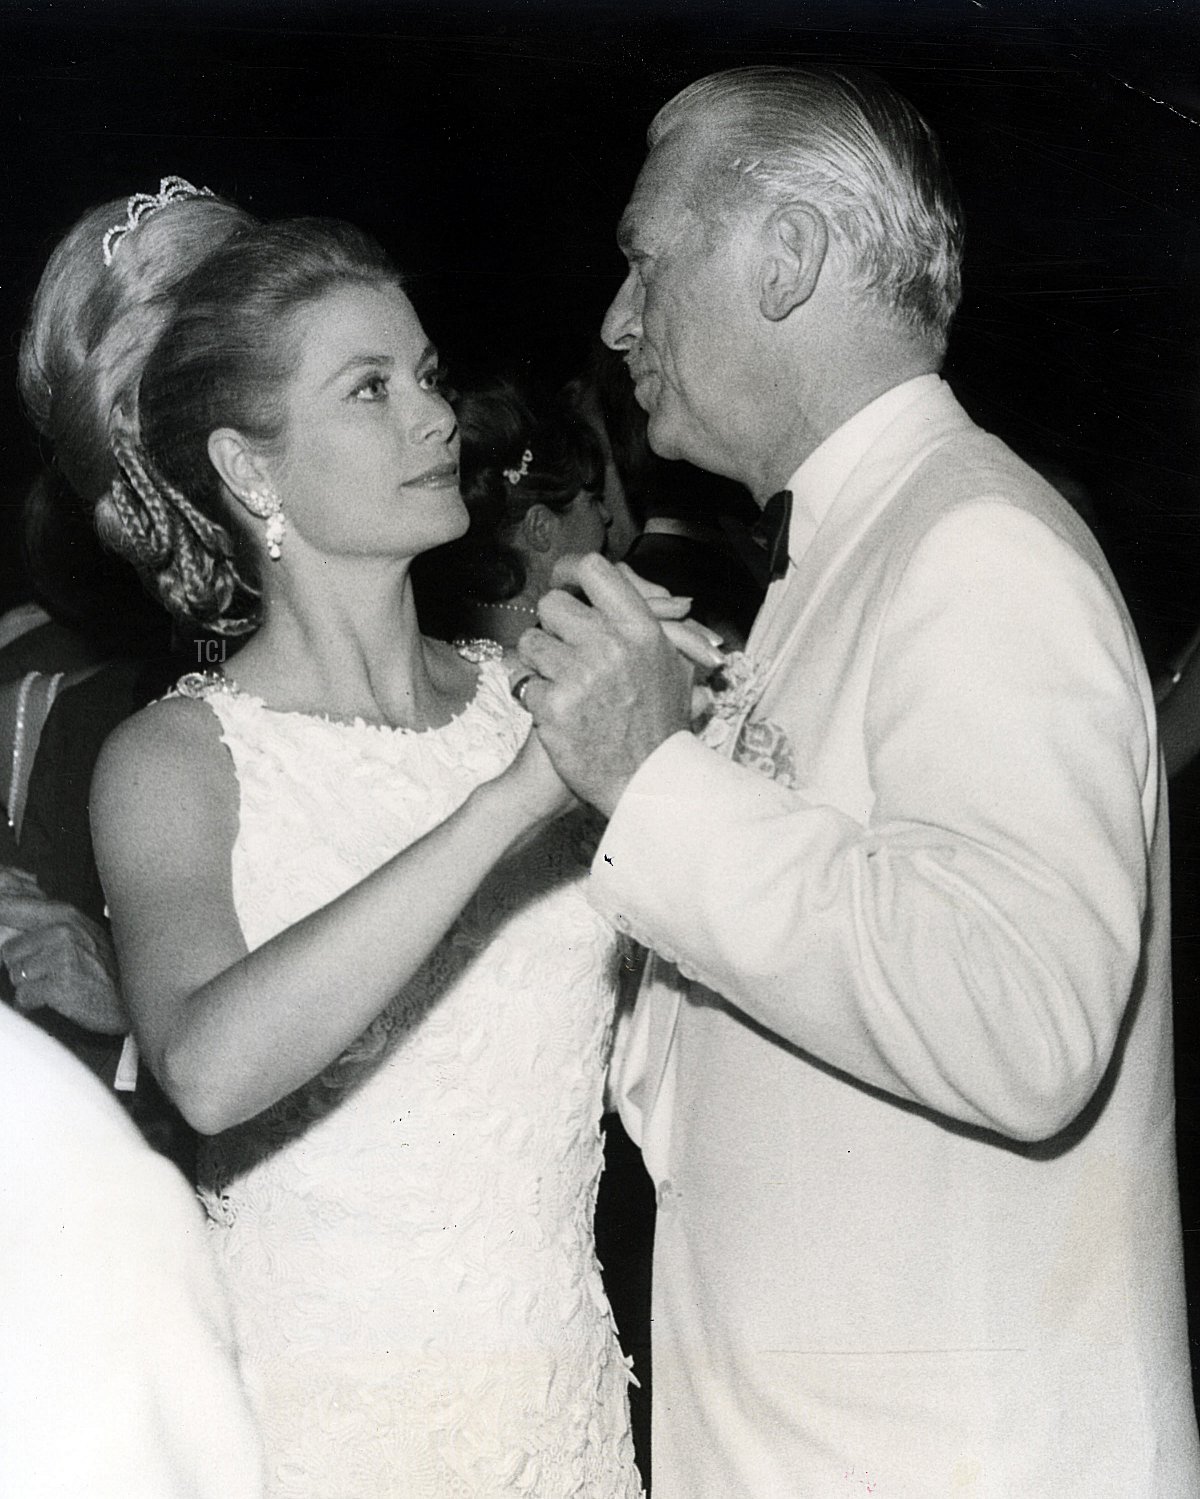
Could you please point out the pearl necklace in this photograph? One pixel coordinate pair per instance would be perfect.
(511, 608)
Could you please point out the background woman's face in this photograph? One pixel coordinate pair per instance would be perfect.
(582, 526)
(369, 460)
(622, 527)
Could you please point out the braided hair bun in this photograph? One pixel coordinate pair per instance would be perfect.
(98, 313)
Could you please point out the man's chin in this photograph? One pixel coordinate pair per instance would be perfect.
(661, 436)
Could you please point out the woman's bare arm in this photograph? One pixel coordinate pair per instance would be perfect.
(226, 1031)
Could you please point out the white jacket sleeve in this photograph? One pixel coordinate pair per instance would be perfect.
(973, 946)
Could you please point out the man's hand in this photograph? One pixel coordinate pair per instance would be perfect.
(57, 958)
(610, 685)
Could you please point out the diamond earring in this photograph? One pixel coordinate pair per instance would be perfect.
(275, 529)
(266, 504)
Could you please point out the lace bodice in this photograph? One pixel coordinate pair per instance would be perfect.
(408, 1237)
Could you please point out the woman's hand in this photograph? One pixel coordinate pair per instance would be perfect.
(695, 642)
(57, 958)
(698, 644)
(537, 784)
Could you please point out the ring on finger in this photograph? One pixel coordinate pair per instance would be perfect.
(521, 686)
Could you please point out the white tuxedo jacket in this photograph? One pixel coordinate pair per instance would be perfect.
(911, 1112)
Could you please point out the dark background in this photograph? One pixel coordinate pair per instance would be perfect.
(492, 147)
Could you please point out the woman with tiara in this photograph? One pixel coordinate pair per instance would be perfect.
(345, 897)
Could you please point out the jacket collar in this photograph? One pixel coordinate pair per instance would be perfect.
(819, 479)
(854, 489)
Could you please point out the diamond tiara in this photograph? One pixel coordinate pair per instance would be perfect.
(141, 205)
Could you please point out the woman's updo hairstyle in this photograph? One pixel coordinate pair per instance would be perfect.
(102, 304)
(129, 367)
(94, 321)
(516, 453)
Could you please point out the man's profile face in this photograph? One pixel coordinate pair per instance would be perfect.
(674, 316)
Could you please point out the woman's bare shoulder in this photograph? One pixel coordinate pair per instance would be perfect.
(165, 730)
(167, 762)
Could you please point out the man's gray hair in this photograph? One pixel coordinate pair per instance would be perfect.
(850, 146)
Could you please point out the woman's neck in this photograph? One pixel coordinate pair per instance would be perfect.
(351, 651)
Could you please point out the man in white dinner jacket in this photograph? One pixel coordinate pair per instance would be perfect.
(901, 1067)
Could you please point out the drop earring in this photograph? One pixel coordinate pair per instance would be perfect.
(266, 504)
(275, 529)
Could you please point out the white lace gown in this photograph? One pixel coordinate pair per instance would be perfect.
(408, 1238)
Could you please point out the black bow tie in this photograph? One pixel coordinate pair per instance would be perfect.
(770, 532)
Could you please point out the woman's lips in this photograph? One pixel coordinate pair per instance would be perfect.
(443, 476)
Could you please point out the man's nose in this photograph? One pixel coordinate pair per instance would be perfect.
(622, 323)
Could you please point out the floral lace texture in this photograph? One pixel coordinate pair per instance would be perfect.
(408, 1238)
(727, 725)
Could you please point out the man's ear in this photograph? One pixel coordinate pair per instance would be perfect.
(537, 527)
(798, 240)
(240, 469)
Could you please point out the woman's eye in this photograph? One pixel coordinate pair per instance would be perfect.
(433, 379)
(373, 389)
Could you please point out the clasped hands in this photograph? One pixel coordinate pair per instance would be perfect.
(613, 676)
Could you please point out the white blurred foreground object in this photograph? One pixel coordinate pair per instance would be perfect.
(116, 1371)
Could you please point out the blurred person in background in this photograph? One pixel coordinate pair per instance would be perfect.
(533, 481)
(90, 649)
(117, 1354)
